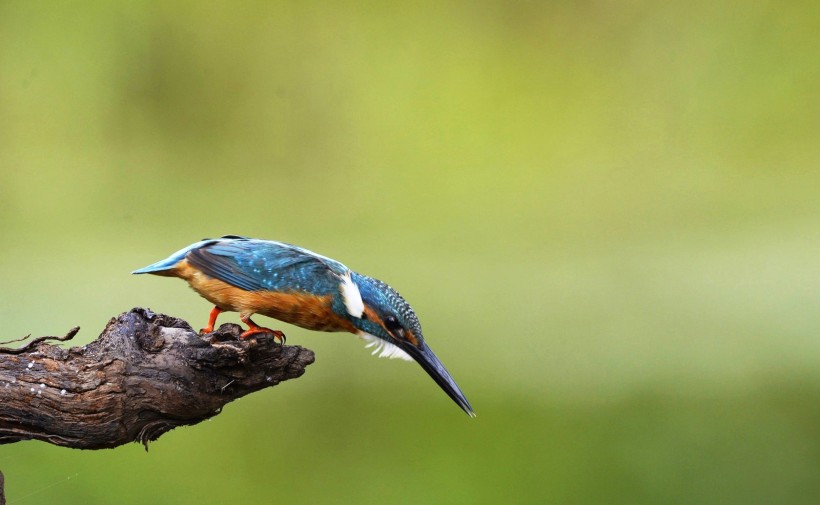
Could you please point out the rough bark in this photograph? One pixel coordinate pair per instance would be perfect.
(145, 374)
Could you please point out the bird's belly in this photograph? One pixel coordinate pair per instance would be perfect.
(301, 309)
(305, 310)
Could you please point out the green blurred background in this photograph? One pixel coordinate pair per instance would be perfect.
(605, 213)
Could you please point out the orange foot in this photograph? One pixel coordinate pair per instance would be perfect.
(211, 321)
(254, 329)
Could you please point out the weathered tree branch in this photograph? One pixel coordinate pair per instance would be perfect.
(144, 375)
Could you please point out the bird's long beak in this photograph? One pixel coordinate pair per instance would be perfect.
(431, 364)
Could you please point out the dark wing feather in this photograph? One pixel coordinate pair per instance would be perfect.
(257, 265)
(223, 268)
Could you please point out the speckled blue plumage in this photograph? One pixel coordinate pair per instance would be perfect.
(376, 293)
(264, 265)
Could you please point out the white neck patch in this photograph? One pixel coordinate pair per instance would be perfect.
(351, 296)
(383, 348)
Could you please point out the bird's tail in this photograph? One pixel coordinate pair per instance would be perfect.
(156, 268)
(163, 267)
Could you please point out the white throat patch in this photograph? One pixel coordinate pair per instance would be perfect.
(383, 348)
(351, 296)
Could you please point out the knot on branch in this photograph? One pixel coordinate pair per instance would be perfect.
(144, 375)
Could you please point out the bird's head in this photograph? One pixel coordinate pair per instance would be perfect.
(390, 326)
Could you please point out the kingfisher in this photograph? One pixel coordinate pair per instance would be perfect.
(297, 286)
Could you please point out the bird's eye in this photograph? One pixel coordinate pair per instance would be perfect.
(392, 324)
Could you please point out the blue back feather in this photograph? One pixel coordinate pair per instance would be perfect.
(265, 265)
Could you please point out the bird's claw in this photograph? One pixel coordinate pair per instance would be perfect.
(277, 335)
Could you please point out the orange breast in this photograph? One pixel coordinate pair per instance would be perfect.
(305, 310)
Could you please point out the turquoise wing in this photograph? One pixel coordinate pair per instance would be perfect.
(265, 265)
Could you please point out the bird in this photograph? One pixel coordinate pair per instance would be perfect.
(297, 286)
